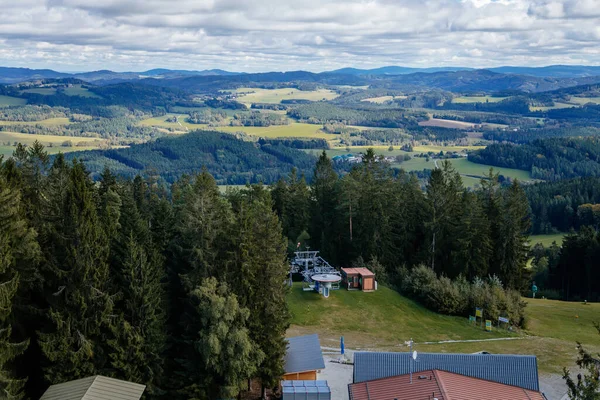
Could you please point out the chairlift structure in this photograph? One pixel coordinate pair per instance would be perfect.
(317, 273)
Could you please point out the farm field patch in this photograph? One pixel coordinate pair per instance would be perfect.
(274, 96)
(478, 99)
(382, 99)
(547, 240)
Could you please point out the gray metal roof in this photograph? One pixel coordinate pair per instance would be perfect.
(95, 388)
(516, 370)
(303, 354)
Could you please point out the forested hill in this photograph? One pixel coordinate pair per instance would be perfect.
(548, 159)
(230, 160)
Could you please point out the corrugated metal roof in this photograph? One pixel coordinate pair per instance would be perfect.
(515, 370)
(95, 388)
(441, 385)
(303, 354)
(359, 271)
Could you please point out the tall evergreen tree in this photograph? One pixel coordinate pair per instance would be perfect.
(80, 304)
(262, 264)
(323, 201)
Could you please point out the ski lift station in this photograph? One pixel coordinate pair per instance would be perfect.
(321, 277)
(317, 274)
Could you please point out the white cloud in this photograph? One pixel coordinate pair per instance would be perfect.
(283, 34)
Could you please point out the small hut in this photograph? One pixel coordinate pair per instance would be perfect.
(358, 279)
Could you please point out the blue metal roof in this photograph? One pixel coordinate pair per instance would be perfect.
(305, 390)
(303, 354)
(516, 370)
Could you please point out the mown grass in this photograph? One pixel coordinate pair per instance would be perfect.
(274, 96)
(384, 319)
(7, 101)
(46, 122)
(466, 167)
(478, 99)
(547, 240)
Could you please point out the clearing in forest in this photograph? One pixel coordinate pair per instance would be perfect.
(274, 96)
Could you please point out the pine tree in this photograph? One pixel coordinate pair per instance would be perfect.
(74, 344)
(220, 355)
(587, 386)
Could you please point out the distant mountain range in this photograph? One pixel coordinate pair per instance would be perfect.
(15, 75)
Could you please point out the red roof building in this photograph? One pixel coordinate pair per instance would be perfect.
(440, 385)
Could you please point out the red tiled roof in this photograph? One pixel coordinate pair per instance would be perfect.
(441, 385)
(359, 271)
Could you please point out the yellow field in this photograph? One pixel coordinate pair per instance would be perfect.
(477, 99)
(274, 96)
(45, 122)
(28, 139)
(383, 99)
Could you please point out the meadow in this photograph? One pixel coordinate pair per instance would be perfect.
(585, 100)
(447, 123)
(75, 90)
(53, 143)
(384, 320)
(547, 240)
(274, 96)
(7, 101)
(556, 105)
(478, 99)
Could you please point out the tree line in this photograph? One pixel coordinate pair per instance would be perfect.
(122, 279)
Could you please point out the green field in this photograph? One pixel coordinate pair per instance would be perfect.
(466, 167)
(547, 240)
(274, 96)
(46, 91)
(45, 122)
(477, 99)
(77, 90)
(384, 320)
(6, 101)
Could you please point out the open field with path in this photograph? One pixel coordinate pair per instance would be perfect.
(384, 320)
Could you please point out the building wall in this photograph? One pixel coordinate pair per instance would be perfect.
(301, 376)
(368, 283)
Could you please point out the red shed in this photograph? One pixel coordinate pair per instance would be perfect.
(358, 279)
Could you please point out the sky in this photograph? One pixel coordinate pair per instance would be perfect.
(284, 35)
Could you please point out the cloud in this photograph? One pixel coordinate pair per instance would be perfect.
(316, 35)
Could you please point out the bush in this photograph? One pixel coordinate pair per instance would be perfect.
(460, 297)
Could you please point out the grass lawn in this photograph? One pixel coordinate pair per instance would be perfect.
(384, 319)
(6, 101)
(477, 99)
(45, 122)
(547, 240)
(274, 96)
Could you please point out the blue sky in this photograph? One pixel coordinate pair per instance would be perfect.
(314, 35)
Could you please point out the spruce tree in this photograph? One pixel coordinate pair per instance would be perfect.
(138, 344)
(261, 265)
(323, 202)
(80, 304)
